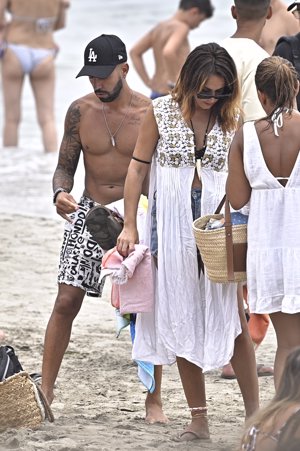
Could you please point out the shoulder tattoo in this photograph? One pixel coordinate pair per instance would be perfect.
(72, 122)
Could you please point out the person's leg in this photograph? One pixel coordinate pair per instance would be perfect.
(57, 337)
(257, 326)
(42, 80)
(193, 384)
(12, 82)
(287, 329)
(153, 403)
(244, 364)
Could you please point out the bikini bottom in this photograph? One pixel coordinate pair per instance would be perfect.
(30, 57)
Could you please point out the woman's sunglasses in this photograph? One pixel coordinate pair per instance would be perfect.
(209, 94)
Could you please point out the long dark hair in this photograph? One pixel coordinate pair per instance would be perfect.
(204, 61)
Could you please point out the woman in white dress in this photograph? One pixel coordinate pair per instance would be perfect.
(195, 323)
(264, 170)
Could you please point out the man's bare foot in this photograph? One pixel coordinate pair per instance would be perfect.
(154, 411)
(196, 430)
(2, 335)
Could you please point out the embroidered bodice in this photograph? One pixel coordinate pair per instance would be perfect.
(176, 144)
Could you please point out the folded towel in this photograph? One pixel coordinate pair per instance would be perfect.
(122, 321)
(132, 279)
(132, 292)
(145, 369)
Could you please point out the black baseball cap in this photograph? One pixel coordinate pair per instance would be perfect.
(292, 5)
(102, 55)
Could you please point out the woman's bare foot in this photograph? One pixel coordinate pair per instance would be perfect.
(196, 430)
(154, 411)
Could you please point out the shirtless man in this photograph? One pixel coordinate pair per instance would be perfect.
(169, 42)
(282, 23)
(28, 49)
(103, 125)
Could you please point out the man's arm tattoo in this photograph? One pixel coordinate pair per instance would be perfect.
(69, 150)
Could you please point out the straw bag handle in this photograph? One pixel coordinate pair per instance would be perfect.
(228, 237)
(219, 207)
(228, 240)
(48, 412)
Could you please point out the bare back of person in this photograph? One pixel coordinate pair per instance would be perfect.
(162, 35)
(280, 152)
(33, 22)
(281, 23)
(105, 165)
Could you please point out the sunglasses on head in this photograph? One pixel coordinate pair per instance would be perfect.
(210, 94)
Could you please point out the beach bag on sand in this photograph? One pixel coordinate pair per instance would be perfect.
(9, 362)
(22, 403)
(224, 249)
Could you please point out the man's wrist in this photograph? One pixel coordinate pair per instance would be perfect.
(56, 193)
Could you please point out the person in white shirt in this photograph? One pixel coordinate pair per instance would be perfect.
(247, 54)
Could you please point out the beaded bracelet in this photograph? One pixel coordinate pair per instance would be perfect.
(192, 409)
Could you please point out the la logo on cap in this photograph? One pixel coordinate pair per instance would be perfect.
(120, 57)
(92, 56)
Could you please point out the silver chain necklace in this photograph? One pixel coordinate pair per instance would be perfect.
(112, 135)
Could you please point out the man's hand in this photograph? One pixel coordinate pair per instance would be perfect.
(65, 205)
(126, 240)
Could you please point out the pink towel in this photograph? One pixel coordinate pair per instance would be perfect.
(132, 279)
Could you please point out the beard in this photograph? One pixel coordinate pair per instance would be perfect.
(112, 95)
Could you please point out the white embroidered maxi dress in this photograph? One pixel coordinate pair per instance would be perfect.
(190, 322)
(273, 257)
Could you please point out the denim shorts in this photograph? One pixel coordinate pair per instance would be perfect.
(196, 211)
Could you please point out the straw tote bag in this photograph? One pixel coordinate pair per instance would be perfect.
(22, 403)
(223, 250)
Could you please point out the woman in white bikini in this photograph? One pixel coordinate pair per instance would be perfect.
(28, 47)
(264, 170)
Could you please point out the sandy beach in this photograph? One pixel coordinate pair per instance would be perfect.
(99, 401)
